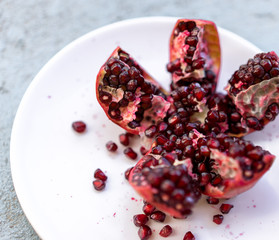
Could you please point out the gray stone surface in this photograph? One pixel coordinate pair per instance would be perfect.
(32, 31)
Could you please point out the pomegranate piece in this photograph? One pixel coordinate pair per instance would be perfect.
(253, 89)
(99, 184)
(111, 146)
(189, 236)
(165, 231)
(194, 53)
(129, 96)
(99, 174)
(225, 208)
(166, 187)
(230, 167)
(124, 139)
(218, 219)
(79, 126)
(158, 216)
(140, 220)
(144, 232)
(130, 153)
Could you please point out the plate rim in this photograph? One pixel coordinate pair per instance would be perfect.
(32, 86)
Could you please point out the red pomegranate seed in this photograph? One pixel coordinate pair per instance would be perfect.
(143, 150)
(218, 219)
(79, 126)
(148, 209)
(225, 208)
(158, 216)
(166, 231)
(140, 219)
(111, 146)
(189, 236)
(130, 153)
(99, 184)
(127, 173)
(99, 174)
(212, 200)
(144, 232)
(124, 139)
(151, 131)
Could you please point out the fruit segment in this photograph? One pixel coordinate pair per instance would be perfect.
(195, 53)
(253, 89)
(130, 97)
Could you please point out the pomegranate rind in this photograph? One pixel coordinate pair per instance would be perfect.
(211, 45)
(128, 113)
(233, 182)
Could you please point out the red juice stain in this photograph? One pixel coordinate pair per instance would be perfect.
(254, 206)
(132, 198)
(227, 226)
(114, 214)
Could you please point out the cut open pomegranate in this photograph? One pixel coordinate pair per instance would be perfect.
(194, 53)
(194, 131)
(130, 97)
(254, 91)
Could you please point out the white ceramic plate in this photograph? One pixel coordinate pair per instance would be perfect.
(52, 166)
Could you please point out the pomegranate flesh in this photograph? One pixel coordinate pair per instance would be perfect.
(130, 97)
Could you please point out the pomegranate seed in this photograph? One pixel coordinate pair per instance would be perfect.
(79, 126)
(143, 150)
(212, 200)
(144, 232)
(151, 131)
(158, 216)
(189, 236)
(216, 180)
(225, 208)
(140, 219)
(148, 209)
(252, 122)
(166, 231)
(218, 219)
(124, 139)
(99, 174)
(99, 184)
(130, 153)
(127, 173)
(111, 146)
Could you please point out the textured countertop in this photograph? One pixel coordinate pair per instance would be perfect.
(31, 32)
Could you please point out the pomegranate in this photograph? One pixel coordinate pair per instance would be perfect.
(253, 89)
(130, 97)
(194, 53)
(194, 131)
